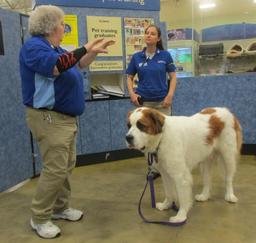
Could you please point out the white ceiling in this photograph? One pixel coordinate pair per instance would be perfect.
(175, 10)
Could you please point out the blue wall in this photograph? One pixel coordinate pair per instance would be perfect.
(229, 32)
(148, 5)
(15, 152)
(236, 92)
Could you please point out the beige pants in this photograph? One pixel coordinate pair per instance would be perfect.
(158, 106)
(55, 134)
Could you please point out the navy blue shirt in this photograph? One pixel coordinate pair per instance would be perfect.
(40, 88)
(152, 85)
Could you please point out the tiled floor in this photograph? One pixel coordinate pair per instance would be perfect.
(109, 194)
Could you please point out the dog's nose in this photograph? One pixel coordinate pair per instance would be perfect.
(129, 138)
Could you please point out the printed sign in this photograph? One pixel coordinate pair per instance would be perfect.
(70, 40)
(106, 66)
(107, 28)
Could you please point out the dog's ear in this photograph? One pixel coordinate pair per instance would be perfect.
(156, 120)
(129, 114)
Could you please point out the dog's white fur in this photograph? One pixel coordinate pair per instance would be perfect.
(182, 143)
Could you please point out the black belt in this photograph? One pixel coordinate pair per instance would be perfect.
(46, 109)
(141, 100)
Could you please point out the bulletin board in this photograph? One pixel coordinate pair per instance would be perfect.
(134, 35)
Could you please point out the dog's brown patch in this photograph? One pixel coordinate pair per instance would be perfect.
(238, 131)
(128, 119)
(129, 114)
(151, 122)
(216, 126)
(138, 110)
(207, 111)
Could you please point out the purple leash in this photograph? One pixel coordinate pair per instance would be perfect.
(174, 207)
(150, 179)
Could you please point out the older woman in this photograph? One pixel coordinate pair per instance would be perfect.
(53, 92)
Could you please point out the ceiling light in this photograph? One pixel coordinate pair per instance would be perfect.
(207, 5)
(254, 1)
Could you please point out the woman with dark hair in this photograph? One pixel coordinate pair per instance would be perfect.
(152, 65)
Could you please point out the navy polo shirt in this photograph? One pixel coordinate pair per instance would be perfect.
(40, 88)
(152, 85)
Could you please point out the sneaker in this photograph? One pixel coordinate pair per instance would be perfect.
(70, 214)
(47, 230)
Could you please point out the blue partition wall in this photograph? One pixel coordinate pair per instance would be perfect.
(229, 32)
(15, 152)
(236, 92)
(118, 113)
(147, 5)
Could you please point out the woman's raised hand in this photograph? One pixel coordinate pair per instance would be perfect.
(98, 45)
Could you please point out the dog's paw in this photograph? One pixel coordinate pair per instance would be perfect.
(201, 197)
(162, 206)
(231, 198)
(177, 219)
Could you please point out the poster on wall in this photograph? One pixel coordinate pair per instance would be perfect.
(134, 35)
(176, 34)
(106, 65)
(107, 28)
(70, 40)
(1, 41)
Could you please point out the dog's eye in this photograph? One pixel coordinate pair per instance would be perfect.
(129, 125)
(140, 126)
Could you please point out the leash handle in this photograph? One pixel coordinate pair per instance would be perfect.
(174, 207)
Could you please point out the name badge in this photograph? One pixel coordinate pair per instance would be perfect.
(160, 61)
(143, 64)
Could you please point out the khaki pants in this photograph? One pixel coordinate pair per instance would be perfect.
(158, 106)
(55, 134)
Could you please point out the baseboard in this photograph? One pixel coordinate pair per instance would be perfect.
(103, 157)
(15, 187)
(109, 156)
(248, 149)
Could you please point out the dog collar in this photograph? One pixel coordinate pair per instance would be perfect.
(153, 156)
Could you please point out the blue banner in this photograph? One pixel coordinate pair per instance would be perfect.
(150, 5)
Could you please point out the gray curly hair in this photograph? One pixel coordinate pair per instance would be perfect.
(44, 19)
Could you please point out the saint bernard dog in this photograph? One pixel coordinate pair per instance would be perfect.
(181, 143)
